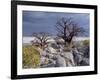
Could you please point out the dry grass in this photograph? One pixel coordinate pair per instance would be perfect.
(31, 57)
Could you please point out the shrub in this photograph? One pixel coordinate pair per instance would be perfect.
(31, 57)
(86, 43)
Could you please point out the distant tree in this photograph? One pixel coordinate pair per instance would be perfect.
(67, 29)
(42, 38)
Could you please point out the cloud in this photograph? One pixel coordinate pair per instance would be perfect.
(35, 21)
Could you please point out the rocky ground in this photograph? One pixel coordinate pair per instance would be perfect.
(51, 58)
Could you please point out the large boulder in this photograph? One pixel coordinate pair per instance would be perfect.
(78, 57)
(60, 61)
(43, 60)
(69, 58)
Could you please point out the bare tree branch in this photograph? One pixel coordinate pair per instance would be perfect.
(67, 29)
(42, 38)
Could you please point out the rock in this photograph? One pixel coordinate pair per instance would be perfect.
(77, 57)
(49, 56)
(86, 51)
(69, 58)
(84, 62)
(44, 53)
(52, 50)
(60, 61)
(43, 60)
(48, 65)
(51, 63)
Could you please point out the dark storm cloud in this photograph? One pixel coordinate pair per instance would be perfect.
(35, 21)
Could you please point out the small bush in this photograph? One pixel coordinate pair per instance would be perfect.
(86, 43)
(31, 57)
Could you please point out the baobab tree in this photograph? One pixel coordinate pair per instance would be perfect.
(67, 29)
(42, 38)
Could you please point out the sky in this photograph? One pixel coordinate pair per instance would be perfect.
(37, 21)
